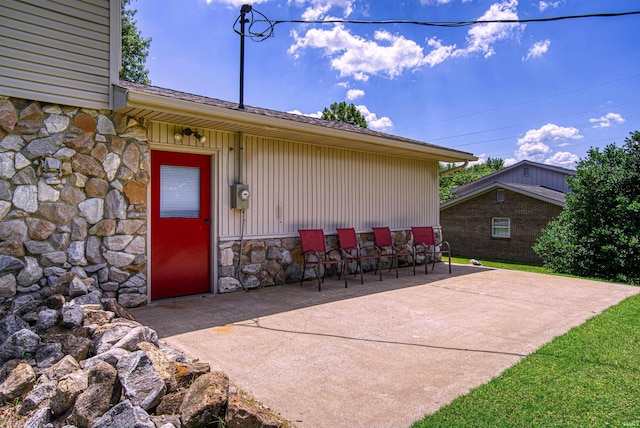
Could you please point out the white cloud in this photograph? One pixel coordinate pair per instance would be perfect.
(439, 53)
(607, 120)
(544, 5)
(510, 161)
(373, 122)
(357, 57)
(482, 158)
(382, 124)
(352, 94)
(298, 112)
(550, 132)
(318, 9)
(439, 2)
(533, 145)
(538, 49)
(532, 151)
(235, 3)
(481, 37)
(391, 54)
(563, 159)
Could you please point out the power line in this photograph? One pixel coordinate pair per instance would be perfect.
(531, 122)
(515, 136)
(521, 102)
(500, 155)
(269, 29)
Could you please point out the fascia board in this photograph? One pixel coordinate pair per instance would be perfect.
(498, 185)
(205, 111)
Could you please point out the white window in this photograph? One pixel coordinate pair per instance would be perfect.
(179, 192)
(500, 227)
(500, 195)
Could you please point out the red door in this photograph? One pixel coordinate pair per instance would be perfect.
(180, 224)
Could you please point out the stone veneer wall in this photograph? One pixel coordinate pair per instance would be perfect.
(268, 262)
(89, 217)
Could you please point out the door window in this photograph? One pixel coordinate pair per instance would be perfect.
(179, 192)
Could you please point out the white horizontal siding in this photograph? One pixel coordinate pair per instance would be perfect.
(57, 51)
(296, 186)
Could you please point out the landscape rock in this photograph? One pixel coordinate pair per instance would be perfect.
(105, 341)
(102, 393)
(16, 379)
(140, 382)
(39, 419)
(67, 390)
(24, 339)
(72, 316)
(134, 336)
(125, 414)
(161, 363)
(112, 356)
(204, 401)
(187, 373)
(65, 366)
(49, 354)
(47, 318)
(171, 403)
(42, 390)
(243, 412)
(153, 384)
(11, 324)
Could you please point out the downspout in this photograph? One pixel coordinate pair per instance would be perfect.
(454, 169)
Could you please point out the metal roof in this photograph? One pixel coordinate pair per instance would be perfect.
(165, 105)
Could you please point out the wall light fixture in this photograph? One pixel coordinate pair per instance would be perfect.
(178, 137)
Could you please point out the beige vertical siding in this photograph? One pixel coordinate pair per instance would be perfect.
(59, 51)
(295, 186)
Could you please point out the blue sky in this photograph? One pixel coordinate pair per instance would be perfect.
(546, 92)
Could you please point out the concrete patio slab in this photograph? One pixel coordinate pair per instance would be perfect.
(382, 354)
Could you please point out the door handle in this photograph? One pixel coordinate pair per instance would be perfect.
(206, 220)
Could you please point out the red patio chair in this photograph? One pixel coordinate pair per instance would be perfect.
(386, 246)
(424, 242)
(348, 246)
(315, 253)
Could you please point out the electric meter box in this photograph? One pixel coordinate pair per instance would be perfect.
(240, 196)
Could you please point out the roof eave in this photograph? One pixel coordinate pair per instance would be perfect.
(495, 185)
(263, 125)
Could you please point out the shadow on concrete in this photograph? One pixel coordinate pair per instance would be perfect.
(170, 317)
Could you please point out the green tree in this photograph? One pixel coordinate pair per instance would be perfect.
(135, 48)
(449, 182)
(341, 112)
(495, 164)
(598, 232)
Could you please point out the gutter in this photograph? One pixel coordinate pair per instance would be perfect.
(126, 97)
(454, 169)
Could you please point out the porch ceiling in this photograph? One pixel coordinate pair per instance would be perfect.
(162, 105)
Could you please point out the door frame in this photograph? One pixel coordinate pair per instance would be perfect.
(214, 159)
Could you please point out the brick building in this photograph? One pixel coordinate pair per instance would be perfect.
(501, 216)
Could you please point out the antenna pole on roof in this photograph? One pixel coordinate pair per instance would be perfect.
(246, 8)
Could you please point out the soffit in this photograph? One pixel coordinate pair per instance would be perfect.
(162, 105)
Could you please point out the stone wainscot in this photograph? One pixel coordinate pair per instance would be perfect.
(72, 199)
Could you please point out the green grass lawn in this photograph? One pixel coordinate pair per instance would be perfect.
(504, 265)
(589, 377)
